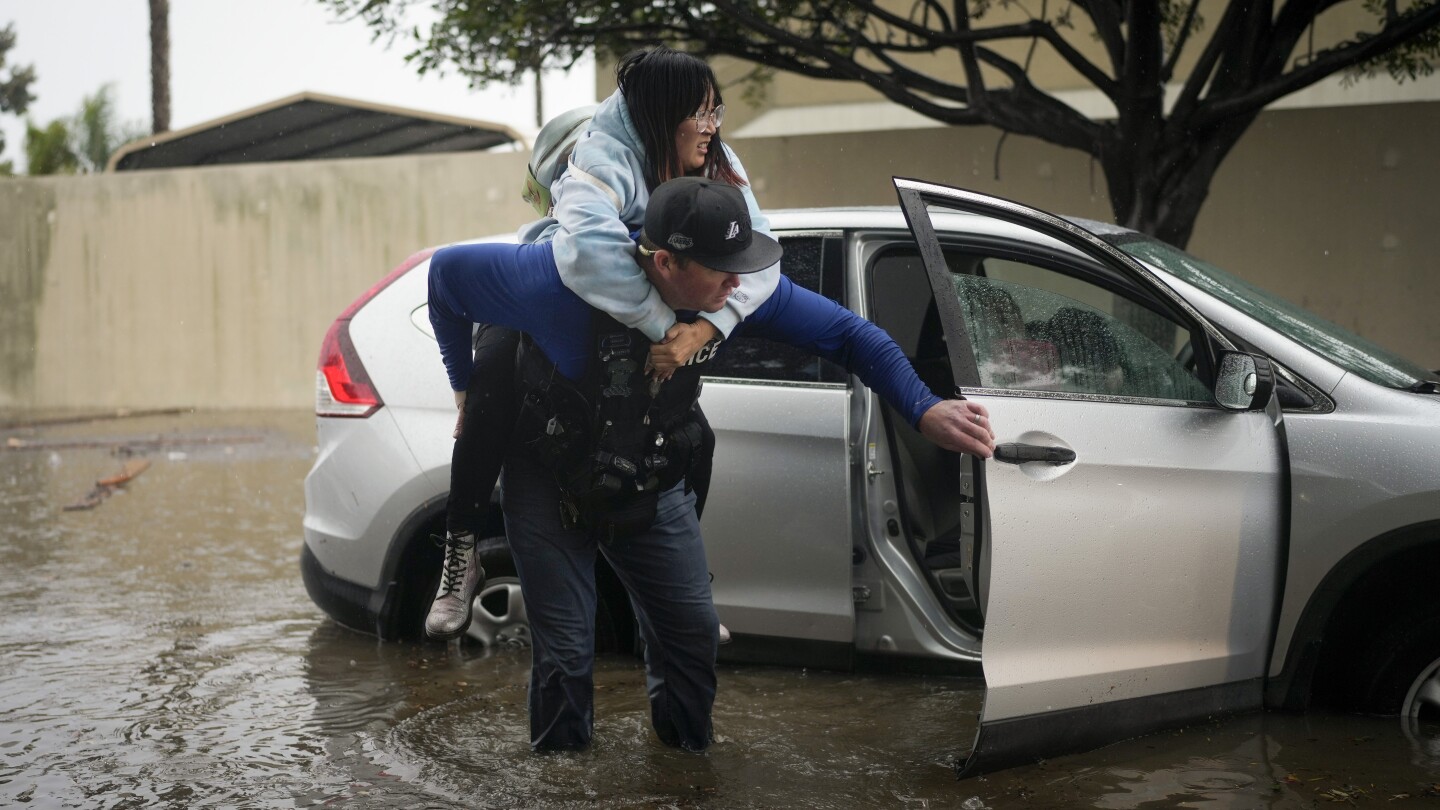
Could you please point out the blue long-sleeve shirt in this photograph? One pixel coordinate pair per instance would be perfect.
(518, 286)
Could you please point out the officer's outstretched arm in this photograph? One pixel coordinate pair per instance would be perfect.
(959, 425)
(812, 322)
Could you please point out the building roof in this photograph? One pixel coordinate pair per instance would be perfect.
(311, 126)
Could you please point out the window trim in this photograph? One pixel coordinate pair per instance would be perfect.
(836, 386)
(1111, 399)
(1324, 403)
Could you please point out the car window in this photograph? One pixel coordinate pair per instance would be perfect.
(1036, 329)
(812, 262)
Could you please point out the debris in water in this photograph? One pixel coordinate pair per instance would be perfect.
(1347, 794)
(106, 486)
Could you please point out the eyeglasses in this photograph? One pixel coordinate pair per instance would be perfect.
(708, 120)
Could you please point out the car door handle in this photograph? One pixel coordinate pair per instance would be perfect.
(1015, 453)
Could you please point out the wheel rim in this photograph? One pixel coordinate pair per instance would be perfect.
(1420, 713)
(498, 617)
(1422, 702)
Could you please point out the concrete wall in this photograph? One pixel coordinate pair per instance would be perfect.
(213, 287)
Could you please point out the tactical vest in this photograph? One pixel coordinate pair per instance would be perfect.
(616, 439)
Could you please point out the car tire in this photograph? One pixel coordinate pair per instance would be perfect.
(497, 614)
(1396, 668)
(498, 617)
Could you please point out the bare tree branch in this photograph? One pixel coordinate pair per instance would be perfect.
(1295, 17)
(907, 25)
(1327, 63)
(1044, 114)
(920, 81)
(887, 85)
(1205, 66)
(1180, 40)
(1105, 14)
(1241, 61)
(974, 79)
(1052, 37)
(1143, 53)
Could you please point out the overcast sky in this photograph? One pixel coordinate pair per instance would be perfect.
(227, 55)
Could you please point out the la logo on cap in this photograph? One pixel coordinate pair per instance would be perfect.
(734, 232)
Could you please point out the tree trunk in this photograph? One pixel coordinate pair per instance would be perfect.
(160, 65)
(1171, 217)
(1160, 190)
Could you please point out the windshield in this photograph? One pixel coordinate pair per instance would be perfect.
(1336, 344)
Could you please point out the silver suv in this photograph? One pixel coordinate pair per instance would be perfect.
(1207, 500)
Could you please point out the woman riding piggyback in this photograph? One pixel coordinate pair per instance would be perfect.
(641, 136)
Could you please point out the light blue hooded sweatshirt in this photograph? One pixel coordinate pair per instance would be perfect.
(598, 201)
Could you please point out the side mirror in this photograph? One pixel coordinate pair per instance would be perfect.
(1245, 382)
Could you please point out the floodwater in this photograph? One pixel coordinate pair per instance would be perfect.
(159, 650)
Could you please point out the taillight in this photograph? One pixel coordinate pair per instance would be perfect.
(342, 388)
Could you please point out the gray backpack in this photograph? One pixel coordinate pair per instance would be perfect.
(551, 155)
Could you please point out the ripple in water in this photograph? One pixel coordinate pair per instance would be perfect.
(778, 733)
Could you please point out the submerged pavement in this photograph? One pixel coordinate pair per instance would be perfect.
(158, 650)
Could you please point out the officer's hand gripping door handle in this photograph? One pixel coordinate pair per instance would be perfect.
(1015, 453)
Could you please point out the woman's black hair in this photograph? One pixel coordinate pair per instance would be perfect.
(662, 87)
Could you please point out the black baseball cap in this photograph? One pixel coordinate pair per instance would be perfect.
(707, 221)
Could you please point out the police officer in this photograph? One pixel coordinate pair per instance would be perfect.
(599, 459)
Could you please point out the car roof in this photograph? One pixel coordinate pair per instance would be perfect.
(882, 217)
(890, 218)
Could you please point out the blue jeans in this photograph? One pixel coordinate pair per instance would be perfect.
(665, 573)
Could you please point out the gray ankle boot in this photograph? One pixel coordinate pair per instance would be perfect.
(460, 577)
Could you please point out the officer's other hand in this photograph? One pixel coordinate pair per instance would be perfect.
(959, 425)
(681, 343)
(460, 416)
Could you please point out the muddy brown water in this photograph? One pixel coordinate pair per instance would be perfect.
(159, 650)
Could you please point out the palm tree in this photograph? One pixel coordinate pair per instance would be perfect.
(160, 65)
(82, 143)
(47, 149)
(96, 133)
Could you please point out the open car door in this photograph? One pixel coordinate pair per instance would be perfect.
(1132, 520)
